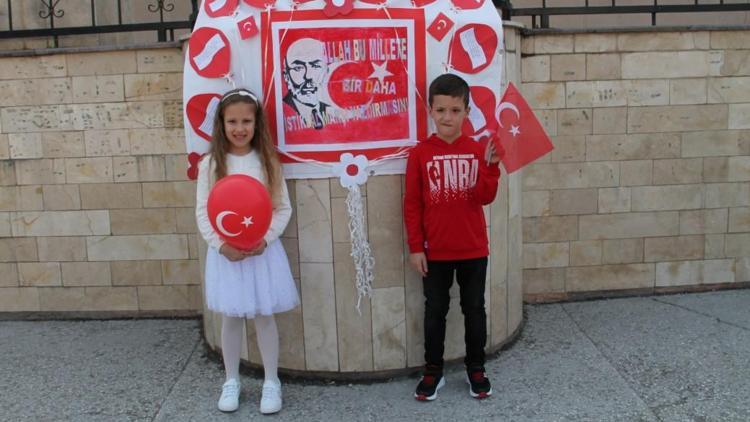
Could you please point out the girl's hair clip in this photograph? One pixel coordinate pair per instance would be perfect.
(244, 93)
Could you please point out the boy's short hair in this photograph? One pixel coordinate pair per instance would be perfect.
(450, 85)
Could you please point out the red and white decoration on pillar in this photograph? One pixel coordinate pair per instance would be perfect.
(343, 82)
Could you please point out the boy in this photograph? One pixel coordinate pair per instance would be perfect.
(449, 177)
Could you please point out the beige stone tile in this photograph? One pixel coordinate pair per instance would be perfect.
(739, 169)
(548, 119)
(550, 229)
(389, 328)
(735, 63)
(39, 274)
(291, 339)
(62, 144)
(535, 69)
(173, 114)
(544, 95)
(291, 228)
(545, 255)
(24, 299)
(176, 167)
(703, 221)
(355, 340)
(647, 92)
(185, 218)
(632, 147)
(568, 67)
(22, 92)
(612, 200)
(158, 298)
(738, 245)
(636, 172)
(125, 248)
(414, 304)
(627, 225)
(86, 274)
(319, 305)
(595, 43)
(160, 60)
(544, 280)
(610, 120)
(157, 141)
(136, 273)
(88, 299)
(4, 147)
(595, 94)
(568, 149)
(34, 119)
(107, 142)
(340, 232)
(40, 172)
(384, 207)
(8, 172)
(743, 269)
(5, 224)
(739, 220)
(682, 273)
(153, 86)
(21, 198)
(674, 248)
(61, 248)
(622, 251)
(714, 247)
(678, 171)
(678, 118)
(585, 252)
(60, 223)
(687, 91)
(570, 175)
(603, 67)
(546, 44)
(711, 143)
(111, 196)
(194, 248)
(609, 277)
(573, 201)
(98, 89)
(729, 90)
(730, 39)
(151, 168)
(537, 203)
(25, 145)
(18, 249)
(169, 194)
(574, 122)
(181, 272)
(665, 41)
(314, 221)
(720, 195)
(662, 198)
(527, 45)
(291, 246)
(673, 64)
(33, 67)
(101, 63)
(130, 115)
(8, 276)
(61, 197)
(143, 221)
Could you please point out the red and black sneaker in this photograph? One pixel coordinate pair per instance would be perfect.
(432, 380)
(479, 384)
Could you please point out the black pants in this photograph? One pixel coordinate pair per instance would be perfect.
(470, 275)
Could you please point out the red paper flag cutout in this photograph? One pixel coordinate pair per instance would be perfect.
(440, 26)
(519, 132)
(248, 28)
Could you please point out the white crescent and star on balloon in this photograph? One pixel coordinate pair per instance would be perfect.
(246, 221)
(514, 129)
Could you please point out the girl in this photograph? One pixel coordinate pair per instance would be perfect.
(246, 284)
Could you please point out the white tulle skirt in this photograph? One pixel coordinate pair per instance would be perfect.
(257, 285)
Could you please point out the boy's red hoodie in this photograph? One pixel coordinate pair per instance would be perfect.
(446, 186)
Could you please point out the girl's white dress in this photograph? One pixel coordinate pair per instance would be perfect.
(256, 285)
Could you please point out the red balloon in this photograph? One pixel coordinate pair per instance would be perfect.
(239, 207)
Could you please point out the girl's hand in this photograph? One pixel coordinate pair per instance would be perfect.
(232, 253)
(419, 262)
(259, 250)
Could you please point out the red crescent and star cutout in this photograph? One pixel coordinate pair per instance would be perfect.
(209, 52)
(248, 27)
(219, 8)
(473, 48)
(440, 26)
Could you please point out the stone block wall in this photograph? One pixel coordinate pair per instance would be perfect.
(649, 185)
(96, 212)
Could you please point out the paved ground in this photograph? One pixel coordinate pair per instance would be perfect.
(664, 358)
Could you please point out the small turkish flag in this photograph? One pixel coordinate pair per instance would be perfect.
(519, 133)
(248, 28)
(440, 26)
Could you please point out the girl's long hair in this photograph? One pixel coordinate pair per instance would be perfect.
(261, 142)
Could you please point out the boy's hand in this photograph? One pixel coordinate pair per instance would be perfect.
(231, 253)
(419, 262)
(491, 153)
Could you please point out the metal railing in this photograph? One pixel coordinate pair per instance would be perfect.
(540, 15)
(52, 10)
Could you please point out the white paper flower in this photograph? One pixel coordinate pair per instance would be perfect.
(351, 170)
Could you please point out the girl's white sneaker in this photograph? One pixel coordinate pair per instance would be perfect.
(270, 401)
(230, 396)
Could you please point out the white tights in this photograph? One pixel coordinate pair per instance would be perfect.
(268, 344)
